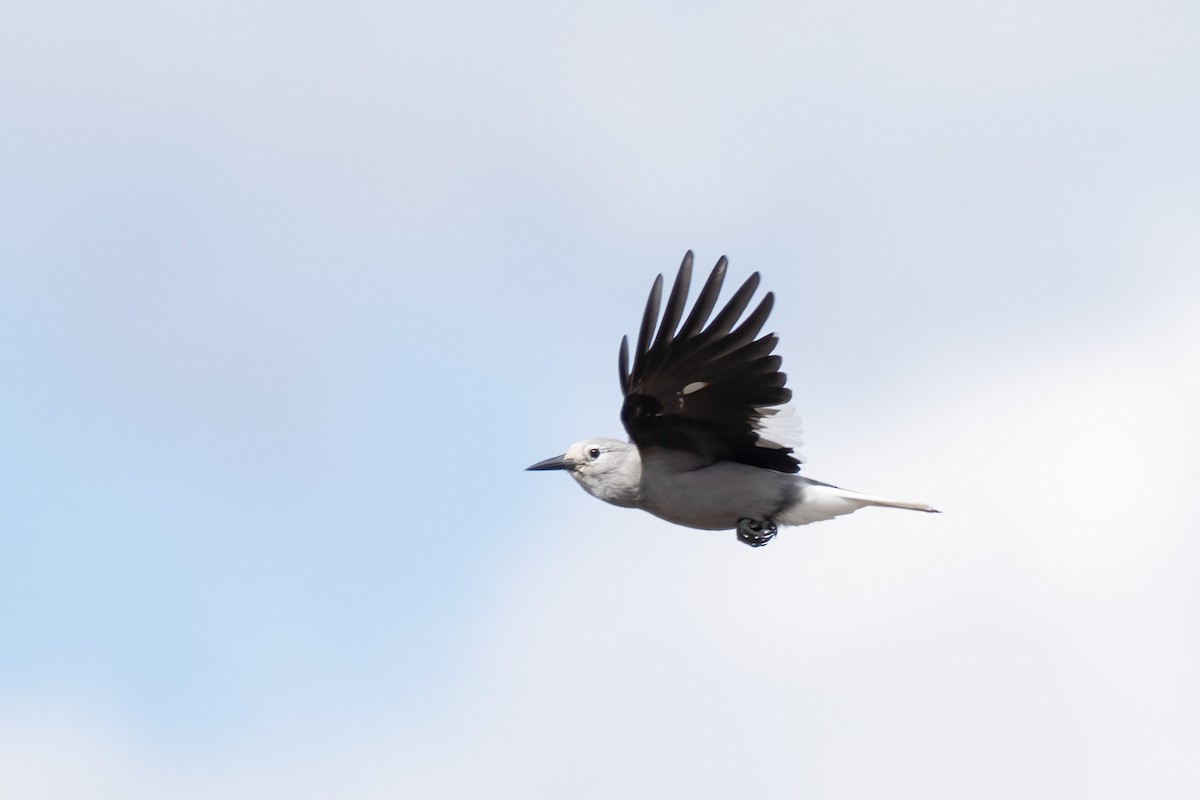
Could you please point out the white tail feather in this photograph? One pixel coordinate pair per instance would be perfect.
(820, 502)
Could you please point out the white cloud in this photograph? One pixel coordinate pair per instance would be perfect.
(257, 195)
(1034, 640)
(1030, 641)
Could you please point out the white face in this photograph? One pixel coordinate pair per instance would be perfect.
(596, 456)
(605, 468)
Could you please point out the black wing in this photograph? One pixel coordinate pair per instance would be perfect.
(706, 389)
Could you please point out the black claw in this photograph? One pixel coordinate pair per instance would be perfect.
(754, 532)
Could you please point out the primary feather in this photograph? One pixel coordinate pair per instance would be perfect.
(707, 388)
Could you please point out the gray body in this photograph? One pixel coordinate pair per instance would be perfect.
(681, 487)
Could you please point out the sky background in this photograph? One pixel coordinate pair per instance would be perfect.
(291, 293)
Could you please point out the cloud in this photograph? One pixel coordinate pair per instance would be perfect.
(1029, 641)
(1033, 640)
(249, 244)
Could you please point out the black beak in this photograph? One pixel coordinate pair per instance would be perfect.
(558, 462)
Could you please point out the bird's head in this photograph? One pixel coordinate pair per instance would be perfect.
(605, 468)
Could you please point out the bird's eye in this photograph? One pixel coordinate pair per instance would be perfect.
(594, 453)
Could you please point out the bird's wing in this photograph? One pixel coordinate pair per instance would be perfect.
(706, 387)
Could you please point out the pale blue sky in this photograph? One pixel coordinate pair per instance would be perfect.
(290, 295)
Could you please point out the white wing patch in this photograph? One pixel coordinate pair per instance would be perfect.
(694, 386)
(779, 428)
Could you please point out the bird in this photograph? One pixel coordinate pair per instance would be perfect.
(705, 407)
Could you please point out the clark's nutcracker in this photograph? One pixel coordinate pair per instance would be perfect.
(701, 408)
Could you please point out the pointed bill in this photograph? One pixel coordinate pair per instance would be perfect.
(557, 462)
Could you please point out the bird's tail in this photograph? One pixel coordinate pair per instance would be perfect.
(820, 501)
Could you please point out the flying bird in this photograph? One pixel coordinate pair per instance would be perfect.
(708, 445)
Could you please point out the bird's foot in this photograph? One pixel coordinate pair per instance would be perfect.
(755, 532)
